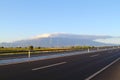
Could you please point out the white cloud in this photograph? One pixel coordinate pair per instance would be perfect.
(109, 40)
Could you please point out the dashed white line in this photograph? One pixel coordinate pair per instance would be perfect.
(48, 66)
(92, 76)
(94, 55)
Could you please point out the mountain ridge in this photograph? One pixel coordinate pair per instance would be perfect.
(60, 40)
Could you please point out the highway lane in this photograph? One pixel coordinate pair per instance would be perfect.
(77, 67)
(111, 73)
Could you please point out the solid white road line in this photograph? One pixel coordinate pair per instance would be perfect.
(92, 76)
(48, 66)
(94, 55)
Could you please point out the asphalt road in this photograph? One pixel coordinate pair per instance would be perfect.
(77, 67)
(111, 73)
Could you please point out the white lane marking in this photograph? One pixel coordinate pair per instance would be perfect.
(95, 74)
(94, 55)
(48, 66)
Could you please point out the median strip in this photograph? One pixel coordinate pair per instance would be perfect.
(48, 66)
(43, 57)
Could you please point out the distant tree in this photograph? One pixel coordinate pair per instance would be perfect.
(31, 48)
(38, 47)
(2, 47)
(72, 46)
(19, 47)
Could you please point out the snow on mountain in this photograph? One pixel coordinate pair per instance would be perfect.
(65, 35)
(42, 36)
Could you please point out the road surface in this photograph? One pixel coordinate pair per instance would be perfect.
(75, 67)
(111, 73)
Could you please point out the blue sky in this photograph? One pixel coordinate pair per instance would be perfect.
(20, 19)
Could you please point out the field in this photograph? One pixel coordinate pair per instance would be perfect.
(36, 50)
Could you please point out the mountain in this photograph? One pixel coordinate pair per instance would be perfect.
(60, 40)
